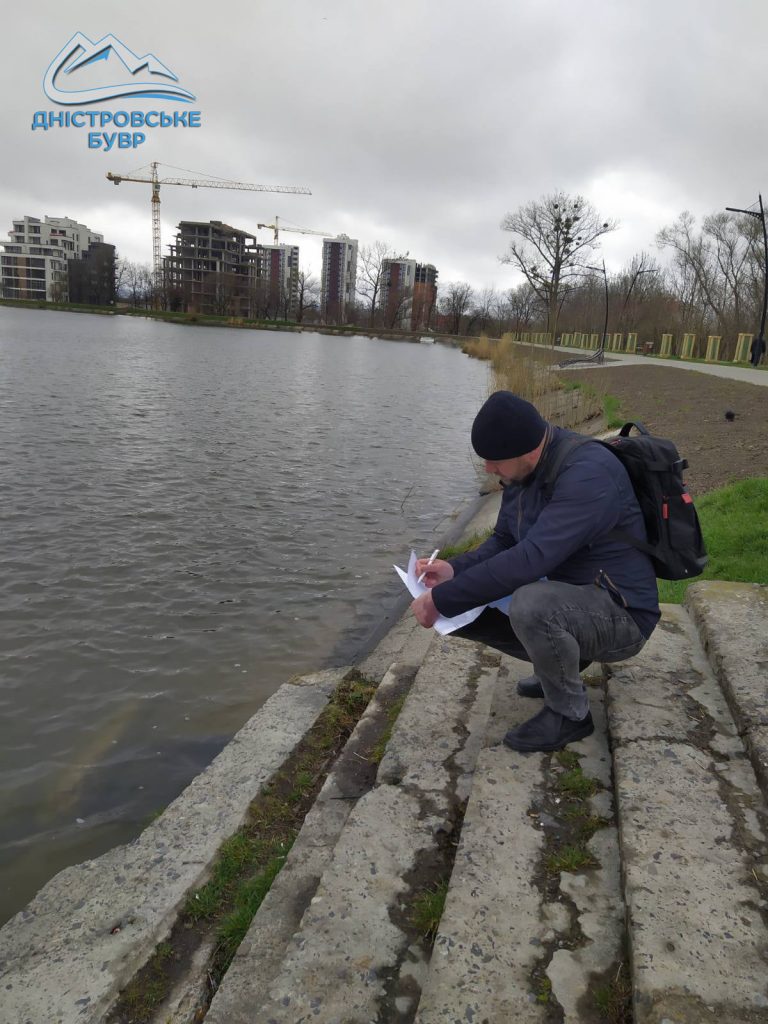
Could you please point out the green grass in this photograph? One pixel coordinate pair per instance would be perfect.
(451, 550)
(543, 990)
(570, 858)
(568, 758)
(613, 416)
(428, 909)
(248, 899)
(576, 783)
(735, 529)
(393, 712)
(613, 999)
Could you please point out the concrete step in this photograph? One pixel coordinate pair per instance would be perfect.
(518, 937)
(65, 957)
(353, 957)
(731, 619)
(693, 825)
(260, 954)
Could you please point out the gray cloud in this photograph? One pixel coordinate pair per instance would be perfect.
(419, 122)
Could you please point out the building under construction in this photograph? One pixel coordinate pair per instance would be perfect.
(408, 293)
(217, 269)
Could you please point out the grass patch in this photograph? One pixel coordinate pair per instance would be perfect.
(613, 999)
(735, 529)
(543, 989)
(576, 783)
(566, 849)
(393, 712)
(568, 758)
(451, 550)
(427, 910)
(612, 413)
(570, 858)
(249, 897)
(250, 860)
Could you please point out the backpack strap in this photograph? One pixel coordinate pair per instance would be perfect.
(570, 445)
(639, 427)
(567, 446)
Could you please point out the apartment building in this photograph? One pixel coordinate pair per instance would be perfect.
(339, 278)
(91, 279)
(408, 293)
(424, 300)
(219, 269)
(35, 259)
(280, 272)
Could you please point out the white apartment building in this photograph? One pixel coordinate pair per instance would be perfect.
(339, 278)
(34, 262)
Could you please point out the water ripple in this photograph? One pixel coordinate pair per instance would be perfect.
(191, 517)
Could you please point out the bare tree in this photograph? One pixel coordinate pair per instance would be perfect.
(399, 307)
(635, 284)
(523, 305)
(713, 269)
(308, 293)
(483, 309)
(557, 236)
(369, 273)
(455, 299)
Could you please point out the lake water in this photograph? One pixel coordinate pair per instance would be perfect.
(191, 516)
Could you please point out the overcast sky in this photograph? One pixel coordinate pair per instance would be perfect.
(417, 122)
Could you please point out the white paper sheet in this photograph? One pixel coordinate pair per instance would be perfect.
(442, 625)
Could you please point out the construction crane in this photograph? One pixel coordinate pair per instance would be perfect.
(277, 227)
(156, 181)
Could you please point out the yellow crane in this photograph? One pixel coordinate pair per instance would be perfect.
(277, 227)
(153, 178)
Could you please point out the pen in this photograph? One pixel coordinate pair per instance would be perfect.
(432, 557)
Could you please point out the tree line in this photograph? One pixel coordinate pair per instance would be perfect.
(711, 282)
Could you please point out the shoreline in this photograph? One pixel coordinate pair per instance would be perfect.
(241, 323)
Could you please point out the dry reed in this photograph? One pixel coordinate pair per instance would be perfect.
(529, 373)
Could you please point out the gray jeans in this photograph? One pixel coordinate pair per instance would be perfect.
(556, 626)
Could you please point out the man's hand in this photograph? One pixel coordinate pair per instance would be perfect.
(424, 610)
(438, 572)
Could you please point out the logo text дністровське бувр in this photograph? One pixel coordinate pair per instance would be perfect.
(156, 82)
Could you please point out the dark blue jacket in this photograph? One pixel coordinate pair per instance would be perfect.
(563, 539)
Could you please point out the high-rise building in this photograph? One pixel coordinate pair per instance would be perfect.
(36, 256)
(339, 278)
(281, 266)
(408, 293)
(212, 268)
(396, 294)
(424, 296)
(91, 279)
(215, 268)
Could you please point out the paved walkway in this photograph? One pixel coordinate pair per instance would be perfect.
(743, 373)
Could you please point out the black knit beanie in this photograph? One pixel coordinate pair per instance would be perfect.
(507, 427)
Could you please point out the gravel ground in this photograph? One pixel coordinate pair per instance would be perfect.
(689, 408)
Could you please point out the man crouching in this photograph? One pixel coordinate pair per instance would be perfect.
(580, 592)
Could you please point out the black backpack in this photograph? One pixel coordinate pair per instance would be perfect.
(675, 544)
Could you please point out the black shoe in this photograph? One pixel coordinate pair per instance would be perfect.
(530, 687)
(548, 730)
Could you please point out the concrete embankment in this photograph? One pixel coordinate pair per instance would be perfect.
(626, 875)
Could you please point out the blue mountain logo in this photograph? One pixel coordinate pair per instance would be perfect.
(81, 52)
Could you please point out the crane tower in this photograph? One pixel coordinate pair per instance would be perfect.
(152, 178)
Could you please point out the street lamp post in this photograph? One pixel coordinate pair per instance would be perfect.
(600, 354)
(761, 218)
